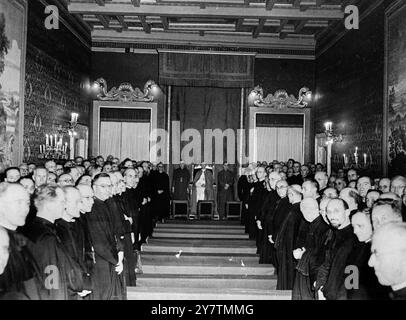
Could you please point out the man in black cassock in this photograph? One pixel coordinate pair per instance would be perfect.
(61, 275)
(388, 258)
(161, 195)
(310, 253)
(267, 210)
(108, 280)
(258, 192)
(4, 249)
(65, 228)
(126, 221)
(21, 277)
(296, 178)
(131, 198)
(285, 240)
(180, 182)
(243, 191)
(147, 186)
(225, 191)
(368, 287)
(144, 193)
(82, 234)
(273, 223)
(331, 274)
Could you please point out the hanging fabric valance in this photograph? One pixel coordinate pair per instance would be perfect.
(200, 69)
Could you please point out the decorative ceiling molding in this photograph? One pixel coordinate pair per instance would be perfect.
(210, 39)
(125, 92)
(333, 12)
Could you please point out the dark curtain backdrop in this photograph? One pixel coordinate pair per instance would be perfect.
(206, 108)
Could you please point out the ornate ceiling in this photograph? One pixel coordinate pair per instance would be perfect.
(279, 28)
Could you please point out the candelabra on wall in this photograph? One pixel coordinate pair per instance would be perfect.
(357, 160)
(331, 139)
(55, 148)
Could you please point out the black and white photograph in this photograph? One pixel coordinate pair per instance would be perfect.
(202, 157)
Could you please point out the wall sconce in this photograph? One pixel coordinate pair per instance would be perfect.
(331, 138)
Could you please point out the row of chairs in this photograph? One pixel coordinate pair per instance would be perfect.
(205, 210)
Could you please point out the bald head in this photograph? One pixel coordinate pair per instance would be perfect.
(4, 252)
(397, 185)
(322, 179)
(86, 198)
(15, 205)
(385, 212)
(130, 176)
(295, 194)
(338, 213)
(65, 180)
(384, 185)
(310, 209)
(351, 197)
(330, 193)
(388, 256)
(274, 177)
(310, 189)
(72, 201)
(282, 188)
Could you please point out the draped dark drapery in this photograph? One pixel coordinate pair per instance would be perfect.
(196, 69)
(206, 108)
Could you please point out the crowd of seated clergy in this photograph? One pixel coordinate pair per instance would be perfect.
(74, 230)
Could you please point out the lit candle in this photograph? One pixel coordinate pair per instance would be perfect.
(50, 140)
(345, 159)
(56, 141)
(40, 148)
(47, 140)
(365, 158)
(66, 146)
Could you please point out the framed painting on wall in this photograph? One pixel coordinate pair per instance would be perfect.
(13, 33)
(394, 138)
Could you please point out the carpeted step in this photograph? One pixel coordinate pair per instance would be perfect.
(164, 293)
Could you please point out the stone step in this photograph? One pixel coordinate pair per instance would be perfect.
(202, 225)
(187, 235)
(214, 282)
(190, 242)
(203, 249)
(198, 230)
(202, 260)
(260, 270)
(164, 293)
